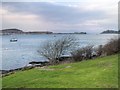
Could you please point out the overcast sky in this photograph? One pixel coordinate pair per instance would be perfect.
(92, 16)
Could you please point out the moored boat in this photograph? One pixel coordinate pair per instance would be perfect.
(13, 40)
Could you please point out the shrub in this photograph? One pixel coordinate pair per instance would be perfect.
(78, 55)
(83, 53)
(53, 50)
(88, 51)
(112, 47)
(99, 50)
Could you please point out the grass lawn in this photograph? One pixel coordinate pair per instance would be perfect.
(98, 73)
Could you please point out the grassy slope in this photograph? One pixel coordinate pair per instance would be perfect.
(99, 73)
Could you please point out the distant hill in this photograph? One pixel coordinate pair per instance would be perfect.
(11, 31)
(17, 31)
(80, 32)
(42, 32)
(110, 32)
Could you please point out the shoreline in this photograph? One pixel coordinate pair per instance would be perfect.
(32, 65)
(5, 72)
(12, 71)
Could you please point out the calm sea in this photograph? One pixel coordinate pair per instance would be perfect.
(19, 54)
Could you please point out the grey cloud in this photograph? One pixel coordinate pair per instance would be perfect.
(61, 17)
(54, 13)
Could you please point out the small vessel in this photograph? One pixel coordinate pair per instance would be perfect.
(13, 40)
(54, 35)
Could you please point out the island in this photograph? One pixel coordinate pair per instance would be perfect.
(17, 31)
(80, 33)
(110, 32)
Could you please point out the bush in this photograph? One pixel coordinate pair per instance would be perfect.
(78, 55)
(88, 51)
(112, 47)
(82, 53)
(99, 50)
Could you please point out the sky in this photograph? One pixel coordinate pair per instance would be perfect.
(92, 16)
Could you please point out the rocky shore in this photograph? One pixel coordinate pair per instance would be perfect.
(31, 65)
(8, 72)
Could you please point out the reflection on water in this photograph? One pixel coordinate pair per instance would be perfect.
(20, 53)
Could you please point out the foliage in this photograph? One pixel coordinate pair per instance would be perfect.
(99, 50)
(112, 47)
(83, 53)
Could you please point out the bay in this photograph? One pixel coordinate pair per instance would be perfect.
(19, 54)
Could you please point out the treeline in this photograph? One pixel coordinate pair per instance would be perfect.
(55, 50)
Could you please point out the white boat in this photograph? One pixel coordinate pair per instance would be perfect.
(13, 40)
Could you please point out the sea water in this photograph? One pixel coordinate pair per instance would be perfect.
(19, 54)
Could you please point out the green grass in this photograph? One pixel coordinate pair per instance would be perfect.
(0, 82)
(98, 73)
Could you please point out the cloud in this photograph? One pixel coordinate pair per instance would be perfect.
(53, 12)
(25, 22)
(65, 16)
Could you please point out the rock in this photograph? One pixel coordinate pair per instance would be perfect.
(38, 63)
(9, 72)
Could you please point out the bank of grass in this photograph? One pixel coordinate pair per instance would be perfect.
(98, 73)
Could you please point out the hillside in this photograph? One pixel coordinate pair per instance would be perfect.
(11, 31)
(17, 31)
(99, 73)
(110, 32)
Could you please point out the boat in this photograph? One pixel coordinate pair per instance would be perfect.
(54, 35)
(13, 40)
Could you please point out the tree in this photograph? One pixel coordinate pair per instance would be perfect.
(53, 50)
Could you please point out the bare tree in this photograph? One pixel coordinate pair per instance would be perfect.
(53, 50)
